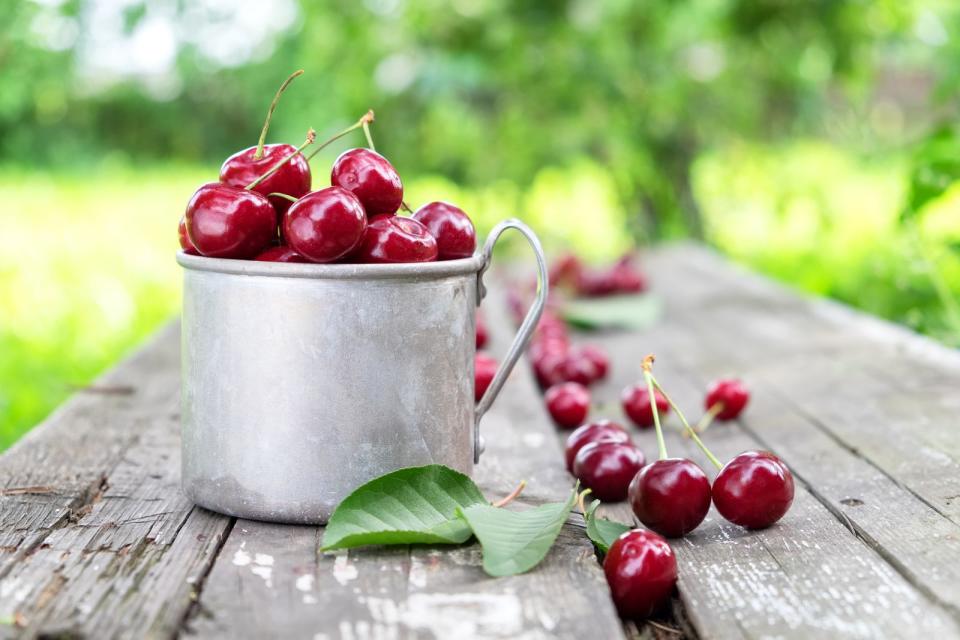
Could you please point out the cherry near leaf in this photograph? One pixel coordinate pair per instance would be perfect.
(603, 532)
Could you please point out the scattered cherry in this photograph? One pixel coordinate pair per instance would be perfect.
(606, 468)
(729, 396)
(452, 228)
(565, 270)
(280, 254)
(395, 239)
(753, 490)
(325, 225)
(597, 356)
(484, 369)
(481, 331)
(568, 403)
(574, 367)
(598, 431)
(636, 404)
(642, 571)
(226, 222)
(185, 243)
(670, 496)
(371, 178)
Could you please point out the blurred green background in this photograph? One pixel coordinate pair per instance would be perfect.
(814, 141)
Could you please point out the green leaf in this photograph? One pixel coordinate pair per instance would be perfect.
(516, 541)
(624, 312)
(602, 531)
(409, 506)
(935, 167)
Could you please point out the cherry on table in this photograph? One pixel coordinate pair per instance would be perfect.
(636, 404)
(227, 222)
(185, 243)
(576, 367)
(371, 178)
(670, 496)
(606, 468)
(730, 395)
(484, 369)
(293, 178)
(568, 404)
(391, 239)
(642, 571)
(597, 356)
(753, 490)
(452, 228)
(325, 225)
(598, 431)
(280, 253)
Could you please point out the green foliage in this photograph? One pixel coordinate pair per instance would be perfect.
(636, 312)
(601, 531)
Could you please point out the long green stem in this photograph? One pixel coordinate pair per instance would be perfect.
(285, 196)
(366, 132)
(367, 117)
(686, 425)
(707, 418)
(661, 445)
(273, 105)
(311, 136)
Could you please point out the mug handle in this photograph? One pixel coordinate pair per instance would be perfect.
(524, 333)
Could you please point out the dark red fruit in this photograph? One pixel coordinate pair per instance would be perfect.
(395, 239)
(293, 178)
(280, 254)
(481, 329)
(568, 404)
(185, 243)
(565, 270)
(670, 496)
(597, 356)
(452, 228)
(641, 571)
(596, 283)
(227, 222)
(598, 431)
(575, 367)
(753, 490)
(325, 225)
(606, 468)
(371, 178)
(484, 369)
(636, 404)
(627, 279)
(732, 394)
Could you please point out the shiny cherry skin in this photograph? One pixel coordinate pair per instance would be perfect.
(371, 178)
(733, 394)
(641, 571)
(597, 431)
(484, 369)
(185, 243)
(575, 367)
(545, 367)
(606, 468)
(568, 404)
(227, 222)
(456, 237)
(293, 178)
(670, 496)
(597, 356)
(636, 404)
(481, 331)
(325, 225)
(395, 239)
(753, 490)
(280, 254)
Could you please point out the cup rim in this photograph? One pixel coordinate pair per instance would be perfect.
(438, 269)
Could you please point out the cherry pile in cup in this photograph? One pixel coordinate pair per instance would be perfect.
(263, 207)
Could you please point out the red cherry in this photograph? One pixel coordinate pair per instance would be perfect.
(542, 347)
(596, 355)
(753, 490)
(456, 237)
(371, 178)
(484, 369)
(280, 254)
(576, 368)
(185, 243)
(594, 283)
(641, 571)
(293, 178)
(732, 394)
(395, 239)
(565, 270)
(670, 496)
(636, 404)
(545, 367)
(481, 329)
(598, 431)
(568, 404)
(606, 468)
(627, 279)
(325, 225)
(227, 222)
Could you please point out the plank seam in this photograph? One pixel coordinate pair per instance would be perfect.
(195, 607)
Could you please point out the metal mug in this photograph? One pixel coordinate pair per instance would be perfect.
(303, 381)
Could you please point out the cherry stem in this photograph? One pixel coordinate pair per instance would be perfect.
(648, 376)
(512, 496)
(367, 117)
(273, 105)
(311, 136)
(366, 132)
(707, 418)
(285, 196)
(405, 207)
(686, 425)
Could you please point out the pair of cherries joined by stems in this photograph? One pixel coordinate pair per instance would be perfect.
(267, 188)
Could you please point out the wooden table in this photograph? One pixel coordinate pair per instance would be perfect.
(96, 540)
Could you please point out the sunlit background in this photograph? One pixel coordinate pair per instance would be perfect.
(813, 141)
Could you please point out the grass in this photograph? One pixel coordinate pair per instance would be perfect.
(88, 269)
